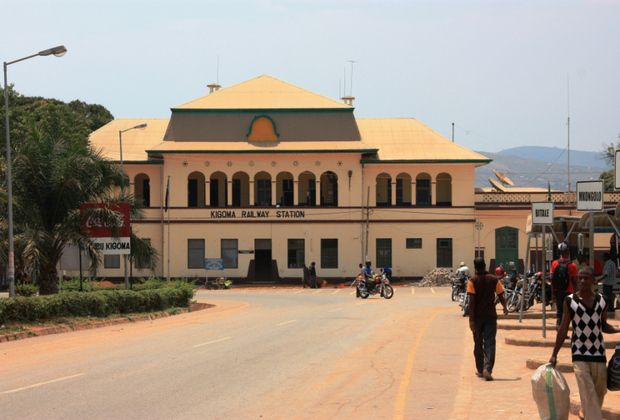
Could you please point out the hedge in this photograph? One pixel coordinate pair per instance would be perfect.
(96, 304)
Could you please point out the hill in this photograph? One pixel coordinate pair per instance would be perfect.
(550, 165)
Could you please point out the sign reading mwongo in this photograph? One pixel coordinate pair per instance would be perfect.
(590, 195)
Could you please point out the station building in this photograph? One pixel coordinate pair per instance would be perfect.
(269, 176)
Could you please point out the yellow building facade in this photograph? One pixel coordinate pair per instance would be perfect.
(269, 176)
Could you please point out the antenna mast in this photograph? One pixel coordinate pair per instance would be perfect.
(351, 88)
(568, 125)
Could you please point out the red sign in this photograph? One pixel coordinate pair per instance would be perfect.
(101, 232)
(94, 225)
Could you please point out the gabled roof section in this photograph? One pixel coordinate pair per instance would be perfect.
(135, 142)
(407, 140)
(262, 93)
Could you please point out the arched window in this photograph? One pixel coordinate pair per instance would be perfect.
(142, 188)
(403, 189)
(285, 189)
(444, 189)
(307, 189)
(384, 189)
(218, 189)
(329, 189)
(423, 190)
(262, 189)
(195, 190)
(241, 190)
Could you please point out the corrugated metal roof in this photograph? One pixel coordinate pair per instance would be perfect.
(135, 142)
(262, 92)
(408, 139)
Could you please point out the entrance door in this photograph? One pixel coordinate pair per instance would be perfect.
(506, 247)
(287, 192)
(262, 260)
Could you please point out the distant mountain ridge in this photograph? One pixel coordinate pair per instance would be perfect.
(533, 166)
(551, 154)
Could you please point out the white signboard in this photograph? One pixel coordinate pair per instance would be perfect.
(617, 170)
(590, 196)
(113, 246)
(542, 213)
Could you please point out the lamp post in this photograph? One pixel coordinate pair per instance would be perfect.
(120, 139)
(58, 52)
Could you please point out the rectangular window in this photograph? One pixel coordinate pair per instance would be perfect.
(329, 253)
(296, 253)
(384, 252)
(414, 243)
(112, 261)
(444, 252)
(195, 253)
(230, 253)
(141, 265)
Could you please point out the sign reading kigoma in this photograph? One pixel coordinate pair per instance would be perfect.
(101, 230)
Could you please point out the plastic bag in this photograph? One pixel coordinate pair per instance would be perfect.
(613, 371)
(551, 393)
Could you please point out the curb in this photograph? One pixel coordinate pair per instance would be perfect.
(63, 328)
(534, 342)
(534, 364)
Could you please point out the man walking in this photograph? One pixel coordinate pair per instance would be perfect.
(306, 276)
(312, 271)
(482, 288)
(563, 280)
(587, 311)
(609, 281)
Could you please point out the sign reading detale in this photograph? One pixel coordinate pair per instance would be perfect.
(590, 195)
(101, 230)
(542, 213)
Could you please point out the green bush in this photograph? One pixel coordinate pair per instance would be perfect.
(97, 304)
(26, 290)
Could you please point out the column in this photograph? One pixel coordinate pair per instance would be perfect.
(252, 202)
(296, 192)
(274, 191)
(317, 192)
(433, 193)
(414, 193)
(230, 193)
(394, 192)
(208, 193)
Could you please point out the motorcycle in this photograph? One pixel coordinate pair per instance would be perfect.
(218, 283)
(534, 291)
(459, 285)
(464, 299)
(377, 285)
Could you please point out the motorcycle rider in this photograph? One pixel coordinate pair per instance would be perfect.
(462, 275)
(368, 273)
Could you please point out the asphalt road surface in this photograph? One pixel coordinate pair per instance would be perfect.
(258, 354)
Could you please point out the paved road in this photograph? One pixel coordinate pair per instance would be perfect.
(270, 354)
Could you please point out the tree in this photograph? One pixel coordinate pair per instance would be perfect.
(608, 154)
(54, 170)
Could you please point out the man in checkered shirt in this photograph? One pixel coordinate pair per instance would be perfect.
(588, 312)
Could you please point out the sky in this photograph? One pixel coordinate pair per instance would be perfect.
(507, 73)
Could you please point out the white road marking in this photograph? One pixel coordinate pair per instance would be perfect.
(412, 291)
(42, 383)
(287, 322)
(211, 342)
(432, 291)
(336, 291)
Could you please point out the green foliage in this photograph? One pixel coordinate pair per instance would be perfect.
(26, 290)
(101, 303)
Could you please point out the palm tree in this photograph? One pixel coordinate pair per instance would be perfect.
(52, 177)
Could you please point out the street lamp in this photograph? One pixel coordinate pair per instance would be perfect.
(120, 139)
(58, 52)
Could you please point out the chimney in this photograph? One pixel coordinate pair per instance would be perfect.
(214, 87)
(348, 100)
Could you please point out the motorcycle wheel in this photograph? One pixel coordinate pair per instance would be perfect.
(364, 293)
(466, 306)
(514, 303)
(455, 293)
(388, 291)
